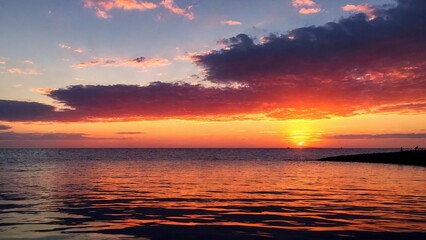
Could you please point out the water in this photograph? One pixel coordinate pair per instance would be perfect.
(173, 194)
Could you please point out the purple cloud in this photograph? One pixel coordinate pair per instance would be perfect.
(12, 136)
(4, 127)
(25, 111)
(378, 136)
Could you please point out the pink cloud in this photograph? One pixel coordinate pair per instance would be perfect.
(300, 3)
(130, 5)
(102, 14)
(41, 90)
(364, 8)
(309, 10)
(170, 5)
(231, 22)
(87, 64)
(188, 56)
(64, 46)
(29, 62)
(102, 7)
(79, 50)
(16, 70)
(121, 62)
(107, 5)
(68, 47)
(147, 62)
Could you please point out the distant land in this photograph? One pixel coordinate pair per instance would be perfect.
(417, 158)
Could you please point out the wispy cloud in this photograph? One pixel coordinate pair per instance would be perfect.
(102, 14)
(231, 23)
(41, 90)
(187, 56)
(171, 5)
(20, 71)
(309, 10)
(123, 62)
(402, 107)
(79, 50)
(29, 62)
(64, 46)
(3, 60)
(68, 47)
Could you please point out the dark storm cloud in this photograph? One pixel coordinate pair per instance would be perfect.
(378, 136)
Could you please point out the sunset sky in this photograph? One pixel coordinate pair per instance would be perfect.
(204, 73)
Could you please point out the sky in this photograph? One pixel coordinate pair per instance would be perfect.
(223, 73)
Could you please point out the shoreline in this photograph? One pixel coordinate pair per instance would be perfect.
(412, 157)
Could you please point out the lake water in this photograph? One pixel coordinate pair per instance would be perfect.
(207, 194)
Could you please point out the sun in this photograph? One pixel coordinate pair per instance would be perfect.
(300, 138)
(302, 133)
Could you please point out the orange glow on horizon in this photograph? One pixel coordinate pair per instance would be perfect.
(231, 134)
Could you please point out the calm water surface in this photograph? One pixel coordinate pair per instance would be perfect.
(206, 194)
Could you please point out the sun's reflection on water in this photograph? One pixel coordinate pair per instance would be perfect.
(134, 198)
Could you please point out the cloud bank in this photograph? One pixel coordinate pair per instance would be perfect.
(354, 66)
(339, 68)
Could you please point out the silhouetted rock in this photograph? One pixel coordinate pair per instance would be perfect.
(417, 158)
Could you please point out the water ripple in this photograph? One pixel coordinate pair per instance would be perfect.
(200, 199)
